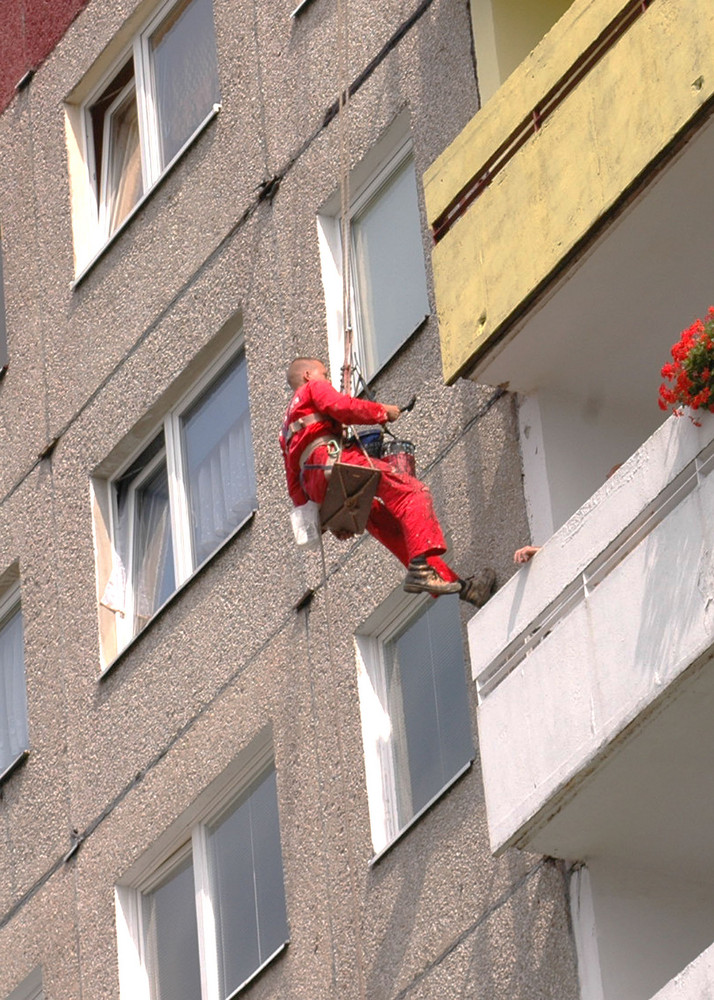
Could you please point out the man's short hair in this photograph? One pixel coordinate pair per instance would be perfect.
(295, 369)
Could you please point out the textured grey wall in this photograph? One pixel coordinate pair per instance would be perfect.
(121, 758)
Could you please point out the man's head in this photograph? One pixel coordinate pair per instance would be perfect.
(304, 370)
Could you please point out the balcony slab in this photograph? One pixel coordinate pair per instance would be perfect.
(591, 640)
(602, 139)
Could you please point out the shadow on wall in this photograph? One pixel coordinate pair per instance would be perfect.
(489, 922)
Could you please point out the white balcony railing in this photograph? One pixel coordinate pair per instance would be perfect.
(580, 643)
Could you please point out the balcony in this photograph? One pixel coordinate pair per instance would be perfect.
(594, 666)
(607, 99)
(604, 631)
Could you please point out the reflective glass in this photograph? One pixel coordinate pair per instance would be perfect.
(218, 453)
(154, 579)
(171, 937)
(13, 698)
(125, 184)
(247, 885)
(185, 73)
(389, 268)
(428, 706)
(115, 137)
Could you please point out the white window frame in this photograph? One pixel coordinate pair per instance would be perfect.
(90, 216)
(10, 604)
(188, 835)
(179, 513)
(372, 173)
(391, 619)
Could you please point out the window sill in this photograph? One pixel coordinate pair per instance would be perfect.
(301, 7)
(15, 766)
(258, 971)
(425, 809)
(179, 590)
(86, 268)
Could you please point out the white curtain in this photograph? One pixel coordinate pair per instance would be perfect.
(13, 703)
(154, 578)
(142, 538)
(125, 180)
(222, 489)
(218, 450)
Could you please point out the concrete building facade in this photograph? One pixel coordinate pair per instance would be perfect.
(223, 770)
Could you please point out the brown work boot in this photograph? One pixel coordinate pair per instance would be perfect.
(422, 578)
(478, 588)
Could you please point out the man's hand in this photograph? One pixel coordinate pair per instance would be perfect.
(525, 554)
(393, 413)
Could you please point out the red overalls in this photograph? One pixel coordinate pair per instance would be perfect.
(402, 517)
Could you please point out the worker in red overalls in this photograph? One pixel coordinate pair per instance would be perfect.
(402, 516)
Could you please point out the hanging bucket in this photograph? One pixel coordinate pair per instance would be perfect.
(371, 442)
(400, 455)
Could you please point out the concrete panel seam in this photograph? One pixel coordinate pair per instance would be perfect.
(486, 915)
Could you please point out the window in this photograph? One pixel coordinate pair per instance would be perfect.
(212, 915)
(3, 322)
(140, 116)
(416, 724)
(181, 497)
(390, 297)
(14, 740)
(30, 988)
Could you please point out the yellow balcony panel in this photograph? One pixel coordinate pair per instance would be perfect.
(539, 72)
(595, 144)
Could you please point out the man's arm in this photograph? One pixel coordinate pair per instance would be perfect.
(349, 410)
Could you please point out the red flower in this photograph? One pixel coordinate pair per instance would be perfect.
(689, 374)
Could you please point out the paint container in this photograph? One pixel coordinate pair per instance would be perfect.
(305, 522)
(400, 455)
(371, 443)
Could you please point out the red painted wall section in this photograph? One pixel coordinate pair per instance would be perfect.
(29, 30)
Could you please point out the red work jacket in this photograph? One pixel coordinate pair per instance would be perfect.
(338, 409)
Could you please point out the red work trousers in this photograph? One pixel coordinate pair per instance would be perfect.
(402, 517)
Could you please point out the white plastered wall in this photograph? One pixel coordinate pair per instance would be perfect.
(569, 444)
(505, 31)
(648, 926)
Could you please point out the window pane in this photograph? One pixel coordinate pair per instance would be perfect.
(218, 450)
(389, 268)
(185, 69)
(13, 698)
(428, 706)
(153, 578)
(115, 142)
(171, 937)
(247, 884)
(123, 160)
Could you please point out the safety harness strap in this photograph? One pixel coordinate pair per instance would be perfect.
(333, 450)
(302, 422)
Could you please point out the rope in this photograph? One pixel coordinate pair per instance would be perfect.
(343, 82)
(342, 108)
